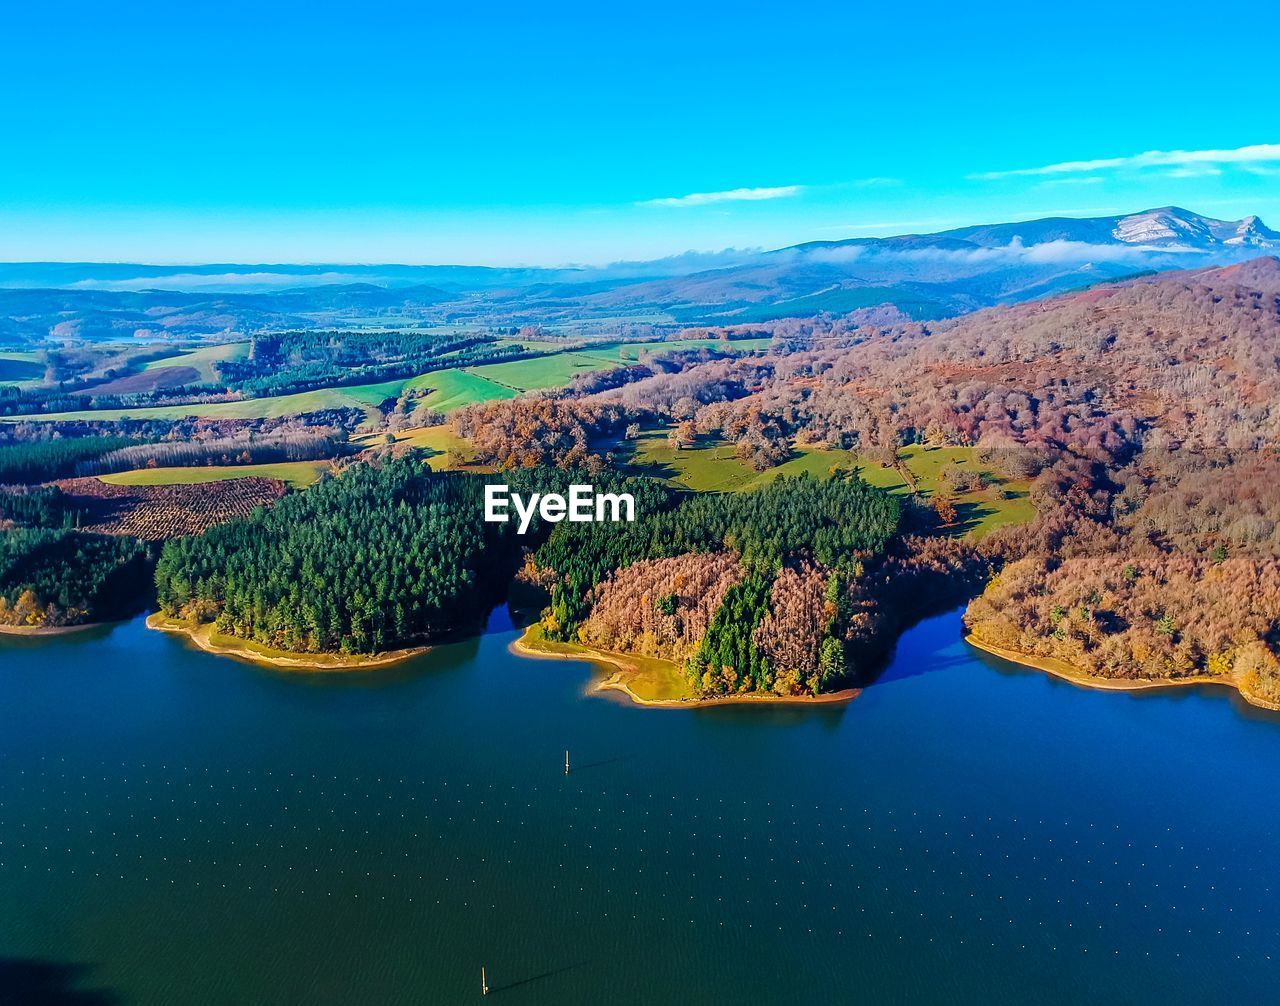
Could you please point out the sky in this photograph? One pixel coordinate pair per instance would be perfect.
(558, 133)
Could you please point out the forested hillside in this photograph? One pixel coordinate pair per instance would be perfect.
(748, 593)
(766, 592)
(1186, 358)
(384, 557)
(60, 577)
(1166, 568)
(1145, 415)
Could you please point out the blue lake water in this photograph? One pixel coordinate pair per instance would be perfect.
(177, 827)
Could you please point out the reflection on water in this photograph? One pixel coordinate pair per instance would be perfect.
(200, 830)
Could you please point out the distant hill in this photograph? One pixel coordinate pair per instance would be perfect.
(921, 275)
(951, 272)
(1190, 354)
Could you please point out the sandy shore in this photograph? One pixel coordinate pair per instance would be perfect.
(47, 630)
(1068, 672)
(202, 636)
(616, 682)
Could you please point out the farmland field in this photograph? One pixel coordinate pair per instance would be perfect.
(146, 381)
(452, 389)
(157, 512)
(552, 371)
(298, 474)
(202, 360)
(360, 396)
(630, 351)
(20, 367)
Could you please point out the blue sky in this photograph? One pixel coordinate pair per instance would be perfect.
(556, 133)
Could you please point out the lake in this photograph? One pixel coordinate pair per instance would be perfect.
(179, 827)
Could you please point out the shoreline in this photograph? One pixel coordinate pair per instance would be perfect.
(202, 638)
(1073, 675)
(48, 630)
(619, 661)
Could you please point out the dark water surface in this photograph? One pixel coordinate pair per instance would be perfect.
(181, 828)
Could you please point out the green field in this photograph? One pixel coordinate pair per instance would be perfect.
(541, 372)
(555, 370)
(712, 467)
(709, 467)
(982, 510)
(361, 396)
(534, 345)
(440, 441)
(630, 351)
(298, 474)
(203, 359)
(458, 388)
(452, 389)
(20, 368)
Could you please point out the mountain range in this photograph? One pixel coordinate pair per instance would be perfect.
(918, 275)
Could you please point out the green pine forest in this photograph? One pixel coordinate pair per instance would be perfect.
(390, 555)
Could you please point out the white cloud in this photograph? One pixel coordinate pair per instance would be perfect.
(1044, 253)
(1083, 180)
(875, 182)
(728, 196)
(1255, 154)
(220, 282)
(1194, 171)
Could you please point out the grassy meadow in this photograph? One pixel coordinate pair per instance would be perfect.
(711, 466)
(446, 450)
(21, 369)
(542, 372)
(453, 389)
(360, 396)
(630, 351)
